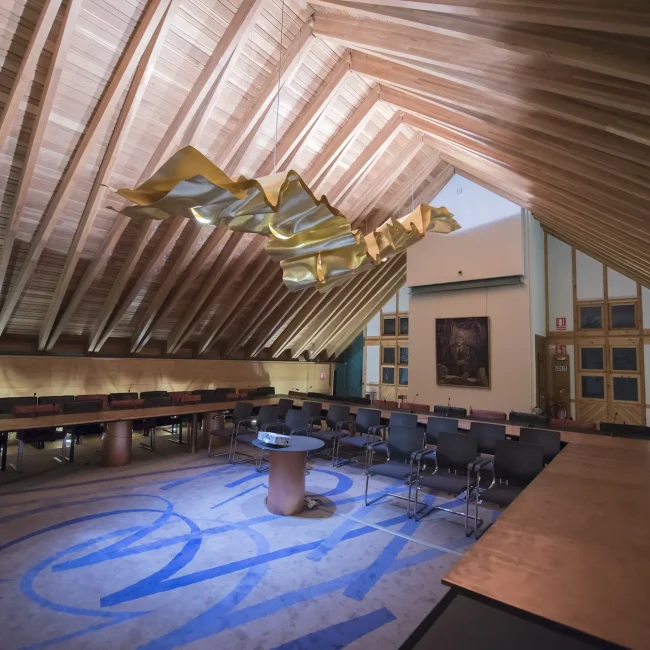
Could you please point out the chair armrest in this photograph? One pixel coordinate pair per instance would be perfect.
(416, 455)
(305, 431)
(478, 464)
(278, 427)
(375, 444)
(250, 422)
(379, 427)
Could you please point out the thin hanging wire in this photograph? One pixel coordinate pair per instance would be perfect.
(277, 112)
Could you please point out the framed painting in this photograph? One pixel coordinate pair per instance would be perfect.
(463, 352)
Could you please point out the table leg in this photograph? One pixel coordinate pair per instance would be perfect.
(208, 425)
(4, 441)
(194, 433)
(116, 443)
(286, 494)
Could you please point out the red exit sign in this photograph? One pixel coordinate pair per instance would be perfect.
(560, 324)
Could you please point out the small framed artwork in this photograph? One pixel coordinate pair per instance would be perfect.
(463, 352)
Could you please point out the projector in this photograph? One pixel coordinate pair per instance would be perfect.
(275, 439)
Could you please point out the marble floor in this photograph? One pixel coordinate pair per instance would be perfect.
(180, 551)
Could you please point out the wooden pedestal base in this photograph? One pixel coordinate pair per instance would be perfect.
(116, 443)
(286, 482)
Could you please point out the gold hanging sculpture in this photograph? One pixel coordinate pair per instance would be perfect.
(313, 242)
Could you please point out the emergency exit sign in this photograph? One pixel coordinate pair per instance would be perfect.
(560, 324)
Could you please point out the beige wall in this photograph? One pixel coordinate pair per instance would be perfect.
(75, 376)
(510, 359)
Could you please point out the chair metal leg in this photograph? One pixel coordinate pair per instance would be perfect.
(18, 466)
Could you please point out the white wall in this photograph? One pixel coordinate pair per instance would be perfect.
(645, 299)
(490, 250)
(589, 278)
(560, 283)
(618, 286)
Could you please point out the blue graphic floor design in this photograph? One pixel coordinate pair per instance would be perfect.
(188, 556)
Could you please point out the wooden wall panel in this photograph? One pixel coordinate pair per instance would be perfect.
(75, 376)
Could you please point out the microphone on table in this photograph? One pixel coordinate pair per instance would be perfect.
(448, 405)
(614, 422)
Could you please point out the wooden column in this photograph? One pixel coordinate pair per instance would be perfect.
(116, 443)
(286, 482)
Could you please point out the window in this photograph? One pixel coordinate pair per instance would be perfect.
(388, 375)
(403, 376)
(592, 358)
(389, 355)
(403, 326)
(624, 359)
(626, 389)
(593, 387)
(404, 355)
(623, 317)
(591, 317)
(388, 326)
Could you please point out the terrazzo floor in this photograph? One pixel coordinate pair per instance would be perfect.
(180, 551)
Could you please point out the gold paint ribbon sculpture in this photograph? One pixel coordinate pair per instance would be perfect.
(313, 242)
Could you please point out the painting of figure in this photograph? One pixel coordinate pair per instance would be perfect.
(463, 352)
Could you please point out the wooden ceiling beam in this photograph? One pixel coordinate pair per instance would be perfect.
(113, 93)
(184, 283)
(183, 328)
(367, 159)
(298, 131)
(97, 264)
(220, 318)
(539, 177)
(343, 303)
(41, 118)
(484, 66)
(384, 181)
(370, 306)
(122, 127)
(102, 330)
(577, 159)
(322, 165)
(288, 65)
(464, 89)
(345, 312)
(253, 321)
(27, 68)
(553, 44)
(630, 20)
(192, 235)
(191, 116)
(275, 320)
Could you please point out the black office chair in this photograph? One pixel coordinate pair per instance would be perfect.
(338, 415)
(119, 397)
(314, 409)
(403, 445)
(242, 412)
(450, 411)
(514, 466)
(247, 429)
(152, 394)
(436, 425)
(297, 422)
(450, 472)
(487, 434)
(7, 403)
(548, 440)
(55, 399)
(358, 434)
(284, 406)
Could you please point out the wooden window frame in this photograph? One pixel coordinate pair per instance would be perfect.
(603, 376)
(588, 331)
(639, 387)
(624, 331)
(632, 346)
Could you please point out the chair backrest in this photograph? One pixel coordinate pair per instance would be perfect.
(33, 409)
(313, 408)
(483, 414)
(152, 402)
(337, 413)
(403, 419)
(296, 419)
(366, 419)
(93, 397)
(7, 403)
(84, 406)
(549, 441)
(115, 397)
(487, 435)
(126, 403)
(242, 411)
(284, 405)
(268, 414)
(528, 419)
(436, 425)
(415, 408)
(517, 462)
(453, 411)
(383, 404)
(574, 425)
(403, 441)
(148, 394)
(265, 390)
(55, 399)
(456, 451)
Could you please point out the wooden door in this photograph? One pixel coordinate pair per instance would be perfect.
(542, 376)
